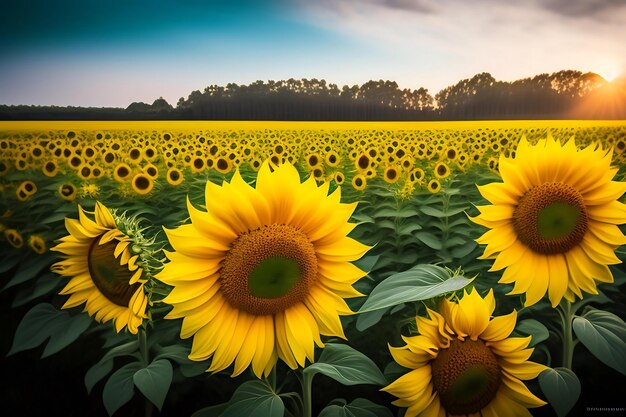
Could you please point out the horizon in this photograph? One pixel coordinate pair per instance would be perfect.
(90, 55)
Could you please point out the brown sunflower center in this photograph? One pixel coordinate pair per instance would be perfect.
(269, 269)
(466, 376)
(551, 218)
(108, 275)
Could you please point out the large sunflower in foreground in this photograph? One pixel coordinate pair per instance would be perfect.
(464, 363)
(263, 272)
(553, 220)
(105, 274)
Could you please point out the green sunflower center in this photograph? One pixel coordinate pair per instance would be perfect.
(551, 218)
(108, 275)
(269, 269)
(466, 377)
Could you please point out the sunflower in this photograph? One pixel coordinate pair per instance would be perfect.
(263, 272)
(464, 363)
(553, 220)
(104, 273)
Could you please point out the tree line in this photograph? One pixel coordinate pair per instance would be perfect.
(560, 95)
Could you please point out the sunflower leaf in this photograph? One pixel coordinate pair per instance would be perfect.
(44, 321)
(254, 398)
(562, 389)
(604, 334)
(30, 270)
(360, 407)
(154, 381)
(534, 328)
(120, 387)
(421, 282)
(346, 365)
(96, 373)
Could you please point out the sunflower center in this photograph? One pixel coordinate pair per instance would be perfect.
(269, 269)
(466, 376)
(108, 275)
(551, 218)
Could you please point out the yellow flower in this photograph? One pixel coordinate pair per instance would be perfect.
(90, 190)
(553, 220)
(142, 184)
(263, 272)
(434, 186)
(67, 191)
(14, 238)
(37, 244)
(105, 274)
(464, 363)
(174, 176)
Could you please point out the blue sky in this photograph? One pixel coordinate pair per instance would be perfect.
(112, 52)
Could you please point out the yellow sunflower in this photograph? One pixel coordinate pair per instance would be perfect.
(464, 363)
(263, 272)
(105, 274)
(553, 220)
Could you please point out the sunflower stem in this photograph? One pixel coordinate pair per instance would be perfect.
(568, 340)
(142, 334)
(307, 404)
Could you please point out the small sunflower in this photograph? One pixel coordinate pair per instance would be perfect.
(554, 220)
(263, 272)
(37, 244)
(464, 363)
(104, 273)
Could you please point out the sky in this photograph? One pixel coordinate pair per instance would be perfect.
(110, 53)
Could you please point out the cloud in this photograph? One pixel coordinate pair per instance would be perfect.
(437, 45)
(586, 8)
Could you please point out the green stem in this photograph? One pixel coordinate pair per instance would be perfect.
(142, 334)
(307, 383)
(568, 341)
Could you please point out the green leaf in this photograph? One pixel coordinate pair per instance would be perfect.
(43, 286)
(369, 318)
(357, 408)
(154, 381)
(29, 270)
(421, 282)
(408, 228)
(604, 334)
(96, 373)
(44, 321)
(211, 411)
(65, 332)
(346, 365)
(9, 262)
(562, 389)
(119, 389)
(464, 250)
(429, 240)
(367, 263)
(177, 353)
(254, 398)
(534, 328)
(433, 212)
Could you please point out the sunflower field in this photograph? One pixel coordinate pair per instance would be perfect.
(308, 269)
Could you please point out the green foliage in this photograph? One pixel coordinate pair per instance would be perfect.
(254, 398)
(562, 389)
(154, 381)
(534, 328)
(44, 322)
(357, 408)
(604, 334)
(346, 365)
(120, 387)
(421, 282)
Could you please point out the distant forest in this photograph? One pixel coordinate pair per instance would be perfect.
(560, 95)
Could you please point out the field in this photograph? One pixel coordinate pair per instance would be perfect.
(419, 244)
